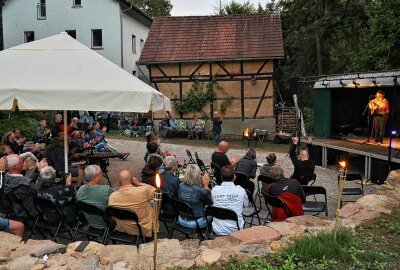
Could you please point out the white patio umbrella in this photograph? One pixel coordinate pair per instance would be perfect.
(60, 73)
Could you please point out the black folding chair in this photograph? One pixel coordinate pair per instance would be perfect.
(352, 191)
(21, 213)
(220, 213)
(251, 211)
(186, 211)
(51, 218)
(308, 179)
(85, 209)
(191, 159)
(216, 171)
(126, 215)
(273, 202)
(168, 212)
(315, 206)
(202, 166)
(264, 180)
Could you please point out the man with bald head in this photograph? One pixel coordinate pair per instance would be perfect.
(302, 164)
(135, 196)
(220, 158)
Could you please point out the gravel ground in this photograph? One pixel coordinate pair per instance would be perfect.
(325, 177)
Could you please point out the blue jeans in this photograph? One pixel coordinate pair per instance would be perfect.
(4, 224)
(217, 138)
(192, 224)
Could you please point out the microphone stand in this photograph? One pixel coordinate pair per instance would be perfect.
(368, 121)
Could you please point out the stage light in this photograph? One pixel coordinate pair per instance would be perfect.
(394, 133)
(324, 84)
(375, 83)
(342, 83)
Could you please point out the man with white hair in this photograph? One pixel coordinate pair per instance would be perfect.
(20, 186)
(94, 193)
(170, 183)
(302, 164)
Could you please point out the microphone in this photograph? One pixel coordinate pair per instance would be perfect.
(371, 96)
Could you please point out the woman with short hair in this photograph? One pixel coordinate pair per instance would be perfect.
(195, 191)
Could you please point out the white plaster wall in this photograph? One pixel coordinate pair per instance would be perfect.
(21, 15)
(132, 27)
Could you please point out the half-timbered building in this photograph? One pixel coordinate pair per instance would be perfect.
(239, 51)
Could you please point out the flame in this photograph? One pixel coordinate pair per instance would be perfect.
(246, 132)
(158, 181)
(342, 164)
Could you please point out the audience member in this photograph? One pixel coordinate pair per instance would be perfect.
(217, 129)
(42, 133)
(12, 226)
(194, 190)
(289, 191)
(247, 165)
(134, 196)
(149, 171)
(302, 164)
(94, 193)
(229, 196)
(196, 128)
(61, 194)
(174, 123)
(170, 183)
(55, 126)
(13, 145)
(220, 158)
(271, 161)
(22, 187)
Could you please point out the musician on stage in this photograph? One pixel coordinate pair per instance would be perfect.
(379, 107)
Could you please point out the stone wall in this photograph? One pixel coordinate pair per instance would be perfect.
(242, 245)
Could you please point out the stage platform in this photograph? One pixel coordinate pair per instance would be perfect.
(356, 145)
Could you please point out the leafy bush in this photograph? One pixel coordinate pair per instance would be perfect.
(26, 122)
(308, 116)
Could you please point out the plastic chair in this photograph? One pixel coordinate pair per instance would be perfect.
(315, 206)
(352, 191)
(186, 211)
(191, 159)
(306, 179)
(220, 213)
(123, 214)
(90, 232)
(50, 218)
(275, 202)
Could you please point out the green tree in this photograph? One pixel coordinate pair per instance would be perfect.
(237, 8)
(155, 8)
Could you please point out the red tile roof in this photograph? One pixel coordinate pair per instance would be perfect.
(204, 38)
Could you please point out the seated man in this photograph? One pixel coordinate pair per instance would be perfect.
(220, 158)
(289, 191)
(229, 196)
(303, 166)
(170, 183)
(76, 144)
(20, 186)
(94, 193)
(150, 170)
(12, 226)
(134, 196)
(42, 133)
(94, 139)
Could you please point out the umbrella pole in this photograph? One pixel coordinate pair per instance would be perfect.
(65, 142)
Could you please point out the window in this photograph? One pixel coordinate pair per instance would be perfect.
(141, 45)
(76, 3)
(29, 36)
(133, 44)
(97, 38)
(41, 10)
(72, 33)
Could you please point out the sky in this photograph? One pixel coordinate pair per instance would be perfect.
(202, 7)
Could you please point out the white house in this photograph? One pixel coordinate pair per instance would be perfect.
(114, 28)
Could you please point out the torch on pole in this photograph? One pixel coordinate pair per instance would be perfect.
(157, 205)
(342, 180)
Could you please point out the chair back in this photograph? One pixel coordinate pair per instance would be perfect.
(274, 201)
(19, 208)
(168, 205)
(216, 172)
(48, 208)
(196, 155)
(89, 209)
(354, 177)
(305, 179)
(124, 214)
(191, 160)
(201, 165)
(222, 213)
(265, 179)
(314, 190)
(184, 209)
(241, 177)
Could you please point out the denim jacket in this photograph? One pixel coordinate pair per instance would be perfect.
(197, 197)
